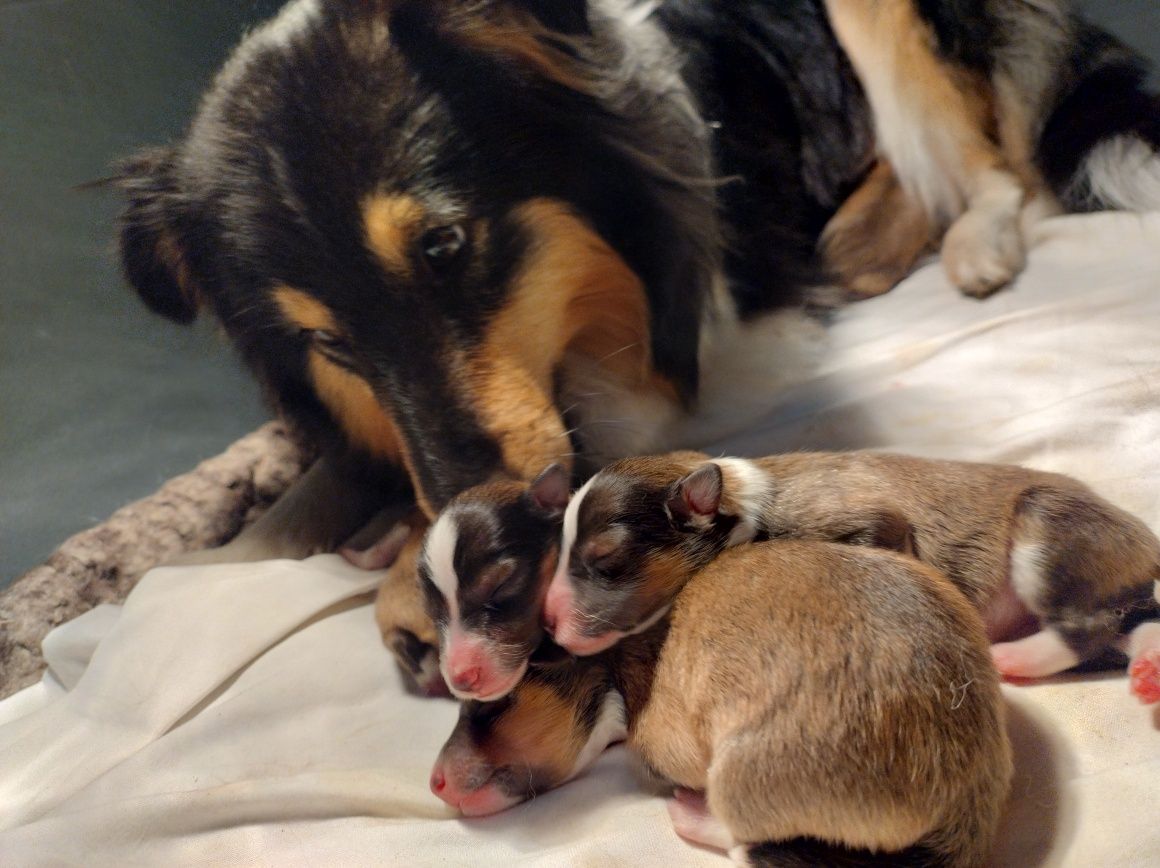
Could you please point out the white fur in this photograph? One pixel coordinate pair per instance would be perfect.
(1039, 655)
(1122, 173)
(746, 369)
(749, 486)
(612, 419)
(279, 31)
(568, 534)
(1146, 637)
(1027, 573)
(983, 249)
(611, 727)
(649, 621)
(439, 552)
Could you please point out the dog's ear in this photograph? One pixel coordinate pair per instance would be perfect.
(696, 498)
(569, 17)
(550, 490)
(153, 255)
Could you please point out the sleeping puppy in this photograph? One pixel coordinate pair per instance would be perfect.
(1059, 574)
(483, 570)
(836, 705)
(400, 608)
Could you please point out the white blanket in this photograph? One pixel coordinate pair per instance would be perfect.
(249, 715)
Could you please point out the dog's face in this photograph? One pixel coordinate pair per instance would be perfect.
(406, 214)
(633, 535)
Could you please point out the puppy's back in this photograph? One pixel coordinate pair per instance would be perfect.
(836, 693)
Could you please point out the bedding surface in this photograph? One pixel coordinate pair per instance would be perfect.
(247, 714)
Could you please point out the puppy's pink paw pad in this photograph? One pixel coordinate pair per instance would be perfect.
(1145, 677)
(693, 822)
(1013, 662)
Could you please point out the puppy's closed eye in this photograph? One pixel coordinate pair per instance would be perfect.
(494, 577)
(409, 649)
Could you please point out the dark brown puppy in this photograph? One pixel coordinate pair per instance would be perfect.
(1059, 574)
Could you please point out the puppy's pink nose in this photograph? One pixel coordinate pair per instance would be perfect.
(557, 604)
(438, 782)
(466, 679)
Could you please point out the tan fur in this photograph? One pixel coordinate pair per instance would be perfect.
(348, 397)
(877, 236)
(573, 293)
(392, 223)
(304, 310)
(847, 695)
(814, 690)
(548, 730)
(957, 149)
(830, 495)
(399, 604)
(356, 408)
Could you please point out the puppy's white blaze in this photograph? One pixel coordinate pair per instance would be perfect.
(440, 552)
(1123, 172)
(611, 727)
(748, 485)
(568, 534)
(1027, 572)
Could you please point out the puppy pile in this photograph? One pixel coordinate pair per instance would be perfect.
(805, 648)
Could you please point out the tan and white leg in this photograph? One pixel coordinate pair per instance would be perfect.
(931, 122)
(1037, 656)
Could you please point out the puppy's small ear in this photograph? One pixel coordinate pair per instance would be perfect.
(697, 496)
(569, 17)
(153, 255)
(551, 489)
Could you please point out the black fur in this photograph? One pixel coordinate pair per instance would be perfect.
(811, 853)
(739, 175)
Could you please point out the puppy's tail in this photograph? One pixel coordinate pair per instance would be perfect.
(1100, 147)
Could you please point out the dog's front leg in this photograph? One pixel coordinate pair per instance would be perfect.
(318, 513)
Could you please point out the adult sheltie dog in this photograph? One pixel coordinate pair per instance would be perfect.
(463, 240)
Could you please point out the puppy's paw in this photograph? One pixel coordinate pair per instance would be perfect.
(693, 822)
(1145, 677)
(983, 251)
(1038, 656)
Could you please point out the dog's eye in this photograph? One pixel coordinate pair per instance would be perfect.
(442, 246)
(332, 346)
(327, 340)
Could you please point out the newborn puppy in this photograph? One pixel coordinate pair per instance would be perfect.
(1059, 574)
(484, 568)
(837, 705)
(401, 608)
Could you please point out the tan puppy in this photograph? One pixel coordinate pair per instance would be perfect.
(1059, 574)
(836, 704)
(400, 610)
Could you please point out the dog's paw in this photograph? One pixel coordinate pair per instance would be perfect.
(983, 251)
(241, 551)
